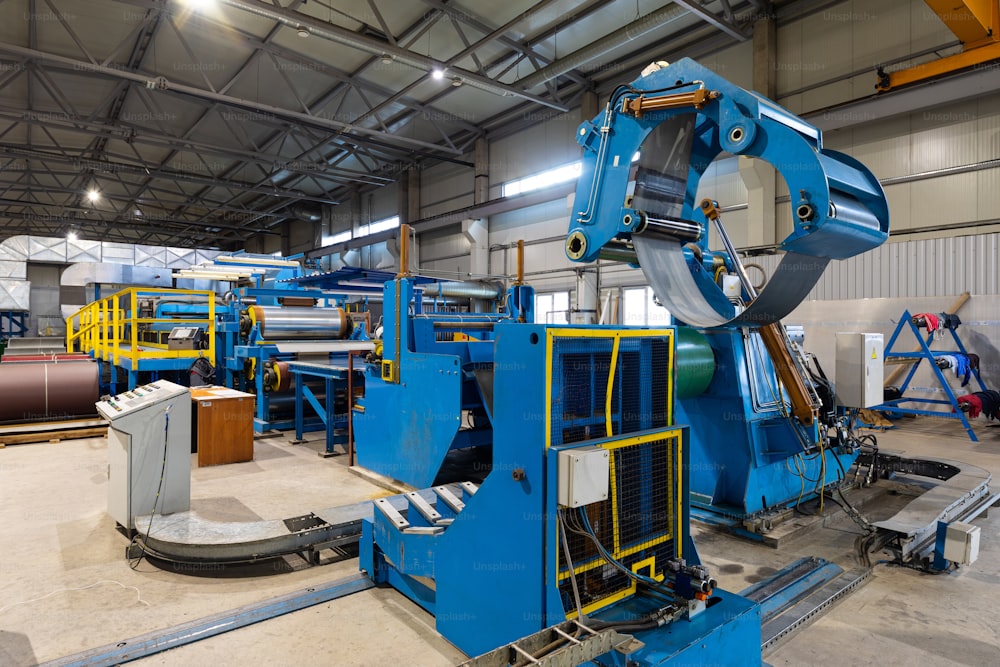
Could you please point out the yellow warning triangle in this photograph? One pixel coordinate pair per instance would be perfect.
(874, 355)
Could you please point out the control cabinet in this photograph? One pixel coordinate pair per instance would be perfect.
(860, 366)
(149, 439)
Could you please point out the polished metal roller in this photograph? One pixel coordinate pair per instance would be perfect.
(299, 323)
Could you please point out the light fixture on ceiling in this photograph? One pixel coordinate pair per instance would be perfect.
(71, 235)
(386, 59)
(199, 4)
(456, 81)
(302, 31)
(93, 195)
(438, 74)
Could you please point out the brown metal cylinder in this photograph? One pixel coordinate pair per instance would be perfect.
(47, 391)
(404, 251)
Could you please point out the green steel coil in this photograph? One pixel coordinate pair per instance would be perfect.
(694, 361)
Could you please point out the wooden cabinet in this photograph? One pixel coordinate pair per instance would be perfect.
(222, 425)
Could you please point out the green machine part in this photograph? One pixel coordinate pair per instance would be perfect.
(694, 362)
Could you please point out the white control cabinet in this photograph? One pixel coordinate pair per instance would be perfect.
(860, 369)
(584, 476)
(150, 435)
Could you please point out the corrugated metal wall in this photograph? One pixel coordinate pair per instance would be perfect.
(904, 269)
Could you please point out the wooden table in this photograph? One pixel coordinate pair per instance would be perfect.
(222, 425)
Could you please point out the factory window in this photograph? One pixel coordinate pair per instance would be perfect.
(552, 308)
(378, 226)
(337, 238)
(363, 230)
(567, 172)
(641, 310)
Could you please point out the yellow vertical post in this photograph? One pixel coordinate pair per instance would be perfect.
(211, 327)
(133, 327)
(404, 251)
(520, 262)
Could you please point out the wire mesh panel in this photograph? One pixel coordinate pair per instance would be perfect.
(636, 527)
(640, 387)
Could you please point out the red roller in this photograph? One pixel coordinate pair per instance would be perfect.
(35, 358)
(44, 391)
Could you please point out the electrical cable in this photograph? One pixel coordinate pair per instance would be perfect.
(78, 588)
(159, 489)
(569, 565)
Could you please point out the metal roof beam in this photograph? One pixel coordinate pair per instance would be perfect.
(87, 165)
(160, 83)
(375, 47)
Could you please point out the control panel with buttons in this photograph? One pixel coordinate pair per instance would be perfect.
(139, 398)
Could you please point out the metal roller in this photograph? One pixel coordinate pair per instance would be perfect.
(297, 323)
(44, 391)
(464, 290)
(20, 346)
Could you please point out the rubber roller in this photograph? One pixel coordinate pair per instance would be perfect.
(277, 377)
(298, 323)
(41, 391)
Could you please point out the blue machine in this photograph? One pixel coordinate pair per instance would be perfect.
(604, 437)
(431, 391)
(521, 551)
(250, 357)
(752, 453)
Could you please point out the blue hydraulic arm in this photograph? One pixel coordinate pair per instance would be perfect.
(679, 118)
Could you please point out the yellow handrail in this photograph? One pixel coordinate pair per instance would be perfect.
(108, 328)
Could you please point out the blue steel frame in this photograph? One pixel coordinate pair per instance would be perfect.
(925, 353)
(490, 574)
(405, 429)
(334, 378)
(237, 349)
(13, 323)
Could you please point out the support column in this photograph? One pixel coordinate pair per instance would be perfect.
(477, 233)
(481, 189)
(585, 309)
(759, 177)
(588, 105)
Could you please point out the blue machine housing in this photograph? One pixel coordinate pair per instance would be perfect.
(748, 456)
(755, 458)
(490, 570)
(406, 429)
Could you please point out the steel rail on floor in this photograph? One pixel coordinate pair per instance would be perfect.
(210, 626)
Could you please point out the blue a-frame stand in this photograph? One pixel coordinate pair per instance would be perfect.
(914, 358)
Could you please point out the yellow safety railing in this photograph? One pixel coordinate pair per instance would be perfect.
(109, 328)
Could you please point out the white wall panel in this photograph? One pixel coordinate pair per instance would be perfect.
(445, 187)
(920, 268)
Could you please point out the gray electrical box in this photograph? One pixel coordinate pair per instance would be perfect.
(184, 338)
(860, 369)
(961, 543)
(584, 476)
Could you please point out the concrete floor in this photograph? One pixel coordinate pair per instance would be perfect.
(56, 538)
